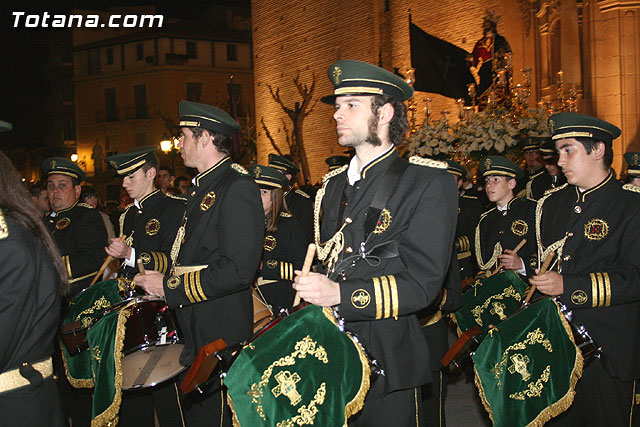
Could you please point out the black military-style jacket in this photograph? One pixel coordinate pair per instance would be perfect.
(595, 236)
(152, 228)
(541, 182)
(81, 237)
(283, 252)
(300, 205)
(222, 244)
(469, 211)
(400, 268)
(30, 306)
(500, 230)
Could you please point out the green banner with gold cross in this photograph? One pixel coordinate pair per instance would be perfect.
(100, 365)
(490, 301)
(303, 371)
(527, 367)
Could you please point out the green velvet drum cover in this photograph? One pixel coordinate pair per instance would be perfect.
(302, 371)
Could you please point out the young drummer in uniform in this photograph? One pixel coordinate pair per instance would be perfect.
(298, 202)
(210, 286)
(592, 224)
(503, 227)
(393, 251)
(284, 245)
(151, 225)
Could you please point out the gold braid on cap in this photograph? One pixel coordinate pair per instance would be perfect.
(497, 249)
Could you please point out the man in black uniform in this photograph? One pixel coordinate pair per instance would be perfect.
(31, 277)
(151, 225)
(503, 227)
(553, 178)
(537, 176)
(469, 211)
(209, 286)
(77, 229)
(592, 225)
(80, 236)
(387, 237)
(298, 202)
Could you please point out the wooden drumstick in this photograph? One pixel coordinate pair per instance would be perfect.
(542, 270)
(306, 268)
(515, 251)
(140, 267)
(105, 263)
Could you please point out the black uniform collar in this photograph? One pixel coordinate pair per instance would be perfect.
(594, 191)
(208, 175)
(150, 199)
(55, 214)
(379, 164)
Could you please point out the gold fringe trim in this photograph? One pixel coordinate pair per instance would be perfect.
(234, 418)
(77, 383)
(357, 403)
(4, 228)
(240, 169)
(564, 402)
(109, 417)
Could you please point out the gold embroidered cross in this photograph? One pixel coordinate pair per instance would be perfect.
(520, 366)
(287, 386)
(498, 308)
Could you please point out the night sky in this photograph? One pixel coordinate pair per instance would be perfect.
(23, 53)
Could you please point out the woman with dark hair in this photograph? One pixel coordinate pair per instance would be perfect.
(284, 242)
(32, 277)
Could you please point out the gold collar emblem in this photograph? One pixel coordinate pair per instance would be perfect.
(579, 297)
(207, 201)
(173, 282)
(145, 258)
(269, 243)
(519, 227)
(62, 223)
(360, 298)
(152, 227)
(596, 229)
(337, 72)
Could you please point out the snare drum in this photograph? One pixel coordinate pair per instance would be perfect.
(152, 344)
(585, 343)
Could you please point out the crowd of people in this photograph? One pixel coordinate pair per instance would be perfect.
(398, 240)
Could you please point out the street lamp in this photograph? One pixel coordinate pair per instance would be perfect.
(74, 157)
(169, 145)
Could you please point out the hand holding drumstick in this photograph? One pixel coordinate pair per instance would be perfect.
(315, 288)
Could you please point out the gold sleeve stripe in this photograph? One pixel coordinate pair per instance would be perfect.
(281, 270)
(394, 296)
(187, 291)
(290, 270)
(594, 290)
(378, 297)
(165, 259)
(386, 298)
(601, 294)
(159, 259)
(196, 275)
(192, 285)
(607, 287)
(155, 260)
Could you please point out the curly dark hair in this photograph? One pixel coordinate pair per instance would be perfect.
(399, 125)
(222, 142)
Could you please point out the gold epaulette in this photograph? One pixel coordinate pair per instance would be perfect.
(84, 205)
(175, 196)
(302, 193)
(554, 189)
(465, 196)
(286, 215)
(334, 172)
(240, 169)
(631, 187)
(486, 213)
(4, 228)
(417, 160)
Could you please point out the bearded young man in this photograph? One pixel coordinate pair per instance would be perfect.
(392, 256)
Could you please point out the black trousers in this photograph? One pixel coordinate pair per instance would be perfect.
(600, 400)
(433, 397)
(208, 409)
(136, 409)
(398, 408)
(32, 406)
